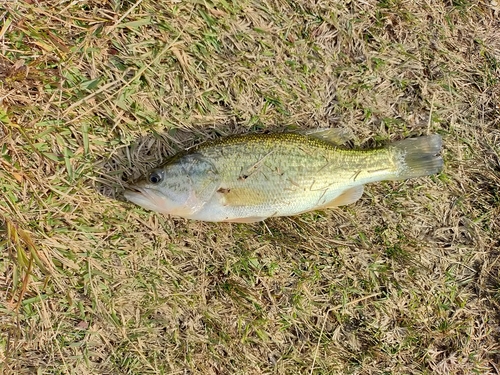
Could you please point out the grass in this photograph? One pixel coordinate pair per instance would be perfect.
(405, 281)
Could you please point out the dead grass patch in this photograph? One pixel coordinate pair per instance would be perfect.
(404, 281)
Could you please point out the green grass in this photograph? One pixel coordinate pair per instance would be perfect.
(405, 281)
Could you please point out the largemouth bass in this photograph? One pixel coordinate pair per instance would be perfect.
(249, 178)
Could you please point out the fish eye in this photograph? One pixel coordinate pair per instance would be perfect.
(155, 177)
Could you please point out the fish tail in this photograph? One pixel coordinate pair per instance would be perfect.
(418, 156)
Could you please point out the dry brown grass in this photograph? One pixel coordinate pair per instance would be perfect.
(406, 281)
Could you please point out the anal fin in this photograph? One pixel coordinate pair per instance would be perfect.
(348, 196)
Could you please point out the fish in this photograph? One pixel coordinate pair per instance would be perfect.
(251, 177)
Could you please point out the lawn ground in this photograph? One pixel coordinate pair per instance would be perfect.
(92, 93)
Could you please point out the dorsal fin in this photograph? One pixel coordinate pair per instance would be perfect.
(337, 136)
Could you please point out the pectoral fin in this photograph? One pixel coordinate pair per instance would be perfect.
(241, 197)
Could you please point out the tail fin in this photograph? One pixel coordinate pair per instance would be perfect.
(418, 156)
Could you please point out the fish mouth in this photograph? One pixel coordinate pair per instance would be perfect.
(143, 197)
(133, 189)
(133, 193)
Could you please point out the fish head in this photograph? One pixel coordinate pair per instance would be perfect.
(179, 188)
